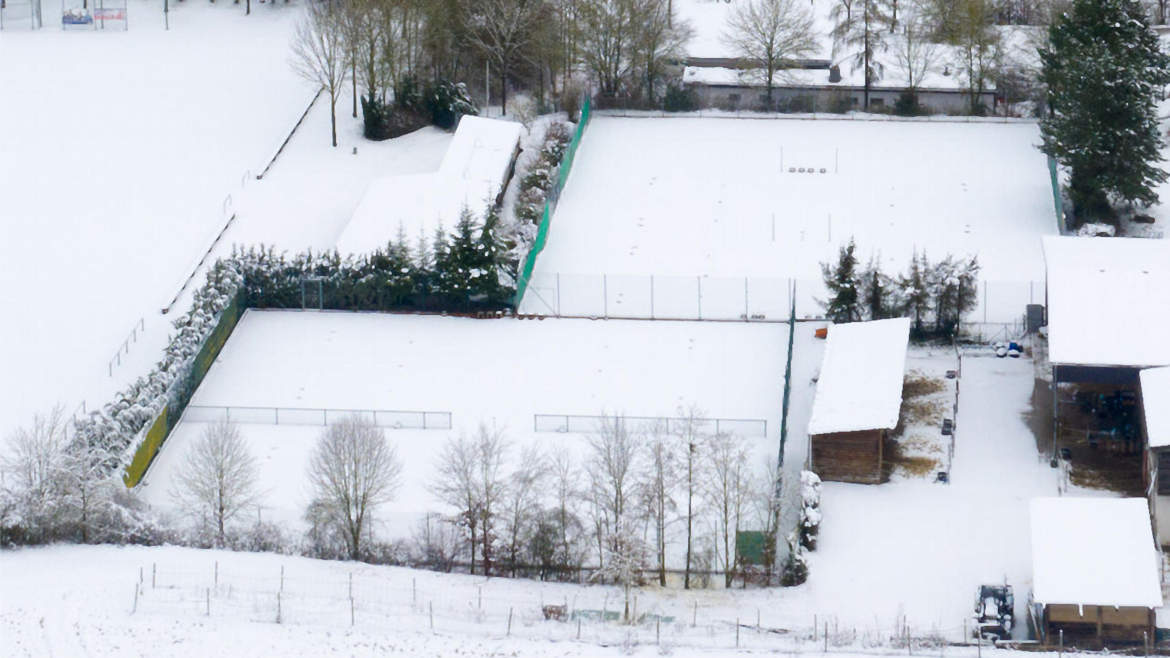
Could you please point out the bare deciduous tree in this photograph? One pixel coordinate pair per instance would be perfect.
(320, 54)
(728, 486)
(35, 468)
(979, 47)
(916, 53)
(353, 470)
(470, 478)
(504, 32)
(567, 492)
(688, 433)
(771, 33)
(657, 483)
(217, 479)
(523, 501)
(613, 461)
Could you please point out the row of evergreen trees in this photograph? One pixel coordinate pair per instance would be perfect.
(461, 272)
(935, 295)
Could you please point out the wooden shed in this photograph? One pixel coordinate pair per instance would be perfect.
(858, 398)
(1095, 574)
(1155, 407)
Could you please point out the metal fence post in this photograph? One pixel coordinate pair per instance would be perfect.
(651, 296)
(605, 296)
(558, 294)
(699, 285)
(746, 306)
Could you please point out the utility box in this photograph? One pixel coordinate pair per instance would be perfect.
(1035, 317)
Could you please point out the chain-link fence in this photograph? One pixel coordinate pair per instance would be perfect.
(499, 608)
(626, 296)
(525, 275)
(577, 424)
(386, 418)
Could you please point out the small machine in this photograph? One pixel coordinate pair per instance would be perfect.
(994, 612)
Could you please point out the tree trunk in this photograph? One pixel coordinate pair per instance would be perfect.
(503, 90)
(690, 511)
(333, 118)
(353, 79)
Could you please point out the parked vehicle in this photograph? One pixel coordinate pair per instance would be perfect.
(994, 612)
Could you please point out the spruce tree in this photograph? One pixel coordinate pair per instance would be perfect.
(842, 282)
(875, 290)
(915, 290)
(1104, 70)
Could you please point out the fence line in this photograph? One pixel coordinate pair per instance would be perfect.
(590, 615)
(386, 418)
(807, 116)
(697, 297)
(205, 254)
(583, 424)
(287, 139)
(124, 348)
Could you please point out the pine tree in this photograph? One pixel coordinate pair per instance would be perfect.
(915, 290)
(1104, 69)
(875, 290)
(485, 275)
(842, 282)
(462, 260)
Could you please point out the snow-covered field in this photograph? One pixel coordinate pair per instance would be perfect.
(909, 548)
(119, 152)
(80, 601)
(704, 204)
(501, 372)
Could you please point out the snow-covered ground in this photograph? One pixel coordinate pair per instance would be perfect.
(910, 548)
(710, 210)
(119, 152)
(501, 372)
(80, 601)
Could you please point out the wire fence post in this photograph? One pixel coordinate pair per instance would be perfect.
(605, 296)
(509, 622)
(651, 296)
(282, 577)
(431, 606)
(135, 608)
(737, 632)
(699, 298)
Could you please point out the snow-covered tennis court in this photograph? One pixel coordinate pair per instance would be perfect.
(503, 372)
(721, 212)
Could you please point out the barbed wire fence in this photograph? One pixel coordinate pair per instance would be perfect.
(592, 615)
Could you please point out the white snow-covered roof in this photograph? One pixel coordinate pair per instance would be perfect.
(1094, 551)
(942, 78)
(481, 150)
(1156, 403)
(471, 175)
(860, 386)
(1108, 301)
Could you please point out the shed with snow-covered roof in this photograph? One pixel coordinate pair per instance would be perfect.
(858, 399)
(1095, 574)
(1107, 301)
(1155, 408)
(473, 175)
